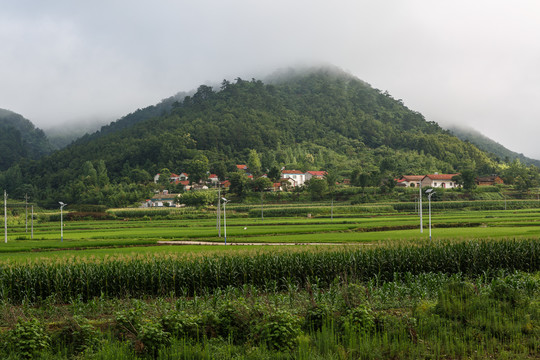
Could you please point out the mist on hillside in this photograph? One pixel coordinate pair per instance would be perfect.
(64, 134)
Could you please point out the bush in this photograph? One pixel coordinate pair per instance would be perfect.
(180, 325)
(28, 338)
(359, 320)
(78, 335)
(316, 316)
(234, 320)
(279, 330)
(151, 338)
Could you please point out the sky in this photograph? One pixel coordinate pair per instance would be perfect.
(469, 63)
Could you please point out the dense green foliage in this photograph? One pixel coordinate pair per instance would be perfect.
(432, 315)
(20, 139)
(323, 119)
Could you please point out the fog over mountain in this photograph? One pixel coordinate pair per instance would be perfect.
(456, 62)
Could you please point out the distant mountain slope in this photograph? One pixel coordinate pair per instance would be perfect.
(318, 119)
(19, 138)
(486, 144)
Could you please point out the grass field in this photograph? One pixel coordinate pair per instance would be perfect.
(383, 290)
(108, 237)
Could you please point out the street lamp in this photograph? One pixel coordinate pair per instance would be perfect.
(430, 193)
(225, 201)
(61, 220)
(420, 206)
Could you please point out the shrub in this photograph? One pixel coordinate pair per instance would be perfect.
(78, 335)
(151, 337)
(28, 338)
(279, 330)
(180, 325)
(234, 320)
(502, 291)
(317, 316)
(359, 320)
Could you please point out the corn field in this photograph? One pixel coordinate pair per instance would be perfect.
(170, 275)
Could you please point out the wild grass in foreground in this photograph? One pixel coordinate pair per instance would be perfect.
(429, 316)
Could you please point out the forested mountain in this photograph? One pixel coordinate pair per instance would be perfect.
(19, 139)
(321, 119)
(486, 144)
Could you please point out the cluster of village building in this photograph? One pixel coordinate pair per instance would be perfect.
(289, 179)
(296, 178)
(443, 181)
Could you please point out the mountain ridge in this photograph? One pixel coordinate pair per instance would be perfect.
(319, 119)
(19, 139)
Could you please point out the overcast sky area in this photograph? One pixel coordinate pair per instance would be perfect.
(473, 63)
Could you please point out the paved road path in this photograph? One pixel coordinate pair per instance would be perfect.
(181, 242)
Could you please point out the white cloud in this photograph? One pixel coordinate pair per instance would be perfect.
(465, 62)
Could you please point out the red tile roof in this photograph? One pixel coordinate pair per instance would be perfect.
(292, 172)
(317, 173)
(441, 176)
(412, 177)
(241, 167)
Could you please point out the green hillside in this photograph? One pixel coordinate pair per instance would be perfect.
(323, 119)
(19, 139)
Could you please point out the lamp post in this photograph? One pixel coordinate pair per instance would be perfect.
(430, 193)
(5, 216)
(61, 220)
(225, 201)
(420, 206)
(218, 215)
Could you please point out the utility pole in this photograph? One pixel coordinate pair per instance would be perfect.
(32, 236)
(5, 216)
(420, 207)
(262, 207)
(219, 213)
(26, 213)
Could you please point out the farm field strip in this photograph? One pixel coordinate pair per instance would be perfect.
(138, 234)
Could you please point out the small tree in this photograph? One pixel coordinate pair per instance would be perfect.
(239, 183)
(254, 163)
(198, 169)
(317, 188)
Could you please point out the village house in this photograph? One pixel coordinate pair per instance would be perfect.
(161, 199)
(213, 179)
(439, 181)
(173, 178)
(298, 177)
(409, 180)
(489, 180)
(315, 174)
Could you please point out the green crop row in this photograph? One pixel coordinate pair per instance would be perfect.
(321, 210)
(151, 276)
(471, 205)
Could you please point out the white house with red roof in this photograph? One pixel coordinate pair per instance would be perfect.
(315, 174)
(410, 180)
(298, 177)
(213, 179)
(439, 181)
